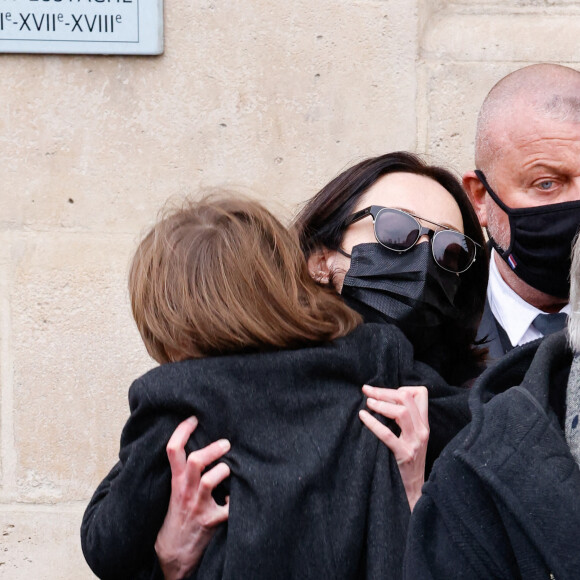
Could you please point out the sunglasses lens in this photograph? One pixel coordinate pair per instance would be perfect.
(396, 230)
(453, 251)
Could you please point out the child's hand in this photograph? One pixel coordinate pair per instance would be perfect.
(193, 515)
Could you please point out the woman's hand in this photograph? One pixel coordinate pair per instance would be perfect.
(193, 514)
(408, 407)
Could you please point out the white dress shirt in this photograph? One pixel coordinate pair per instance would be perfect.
(511, 311)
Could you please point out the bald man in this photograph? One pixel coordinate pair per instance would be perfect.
(503, 499)
(526, 192)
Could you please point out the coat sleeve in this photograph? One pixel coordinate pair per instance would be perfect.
(122, 520)
(431, 551)
(456, 529)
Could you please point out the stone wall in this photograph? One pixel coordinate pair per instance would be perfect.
(270, 97)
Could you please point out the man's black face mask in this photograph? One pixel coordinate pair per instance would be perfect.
(407, 289)
(541, 242)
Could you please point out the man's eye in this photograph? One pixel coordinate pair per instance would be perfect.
(546, 185)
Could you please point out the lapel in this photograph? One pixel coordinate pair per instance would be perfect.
(488, 331)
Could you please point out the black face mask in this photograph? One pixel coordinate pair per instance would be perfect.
(407, 289)
(541, 242)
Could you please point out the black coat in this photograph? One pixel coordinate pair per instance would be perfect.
(503, 500)
(313, 494)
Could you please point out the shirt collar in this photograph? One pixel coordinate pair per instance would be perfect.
(513, 313)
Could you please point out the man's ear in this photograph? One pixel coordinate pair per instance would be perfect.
(476, 193)
(319, 264)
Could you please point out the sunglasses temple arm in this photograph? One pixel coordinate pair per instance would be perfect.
(359, 215)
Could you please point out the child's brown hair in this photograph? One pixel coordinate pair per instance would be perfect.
(222, 275)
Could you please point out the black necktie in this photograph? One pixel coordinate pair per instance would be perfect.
(549, 323)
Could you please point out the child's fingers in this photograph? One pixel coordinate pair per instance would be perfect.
(176, 446)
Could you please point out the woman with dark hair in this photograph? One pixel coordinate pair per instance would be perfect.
(435, 301)
(363, 235)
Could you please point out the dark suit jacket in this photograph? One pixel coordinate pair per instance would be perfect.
(490, 331)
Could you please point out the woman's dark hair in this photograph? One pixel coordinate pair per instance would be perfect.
(320, 224)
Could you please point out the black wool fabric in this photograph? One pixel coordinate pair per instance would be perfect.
(313, 493)
(502, 500)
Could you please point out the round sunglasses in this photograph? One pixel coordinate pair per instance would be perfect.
(399, 231)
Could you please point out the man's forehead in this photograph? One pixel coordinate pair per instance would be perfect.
(536, 83)
(534, 92)
(563, 107)
(526, 124)
(538, 144)
(532, 128)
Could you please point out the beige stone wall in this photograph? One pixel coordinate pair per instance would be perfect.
(272, 97)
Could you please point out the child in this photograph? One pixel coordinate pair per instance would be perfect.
(272, 361)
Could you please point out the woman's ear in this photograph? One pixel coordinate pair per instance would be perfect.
(319, 266)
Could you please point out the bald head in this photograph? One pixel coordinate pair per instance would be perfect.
(540, 90)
